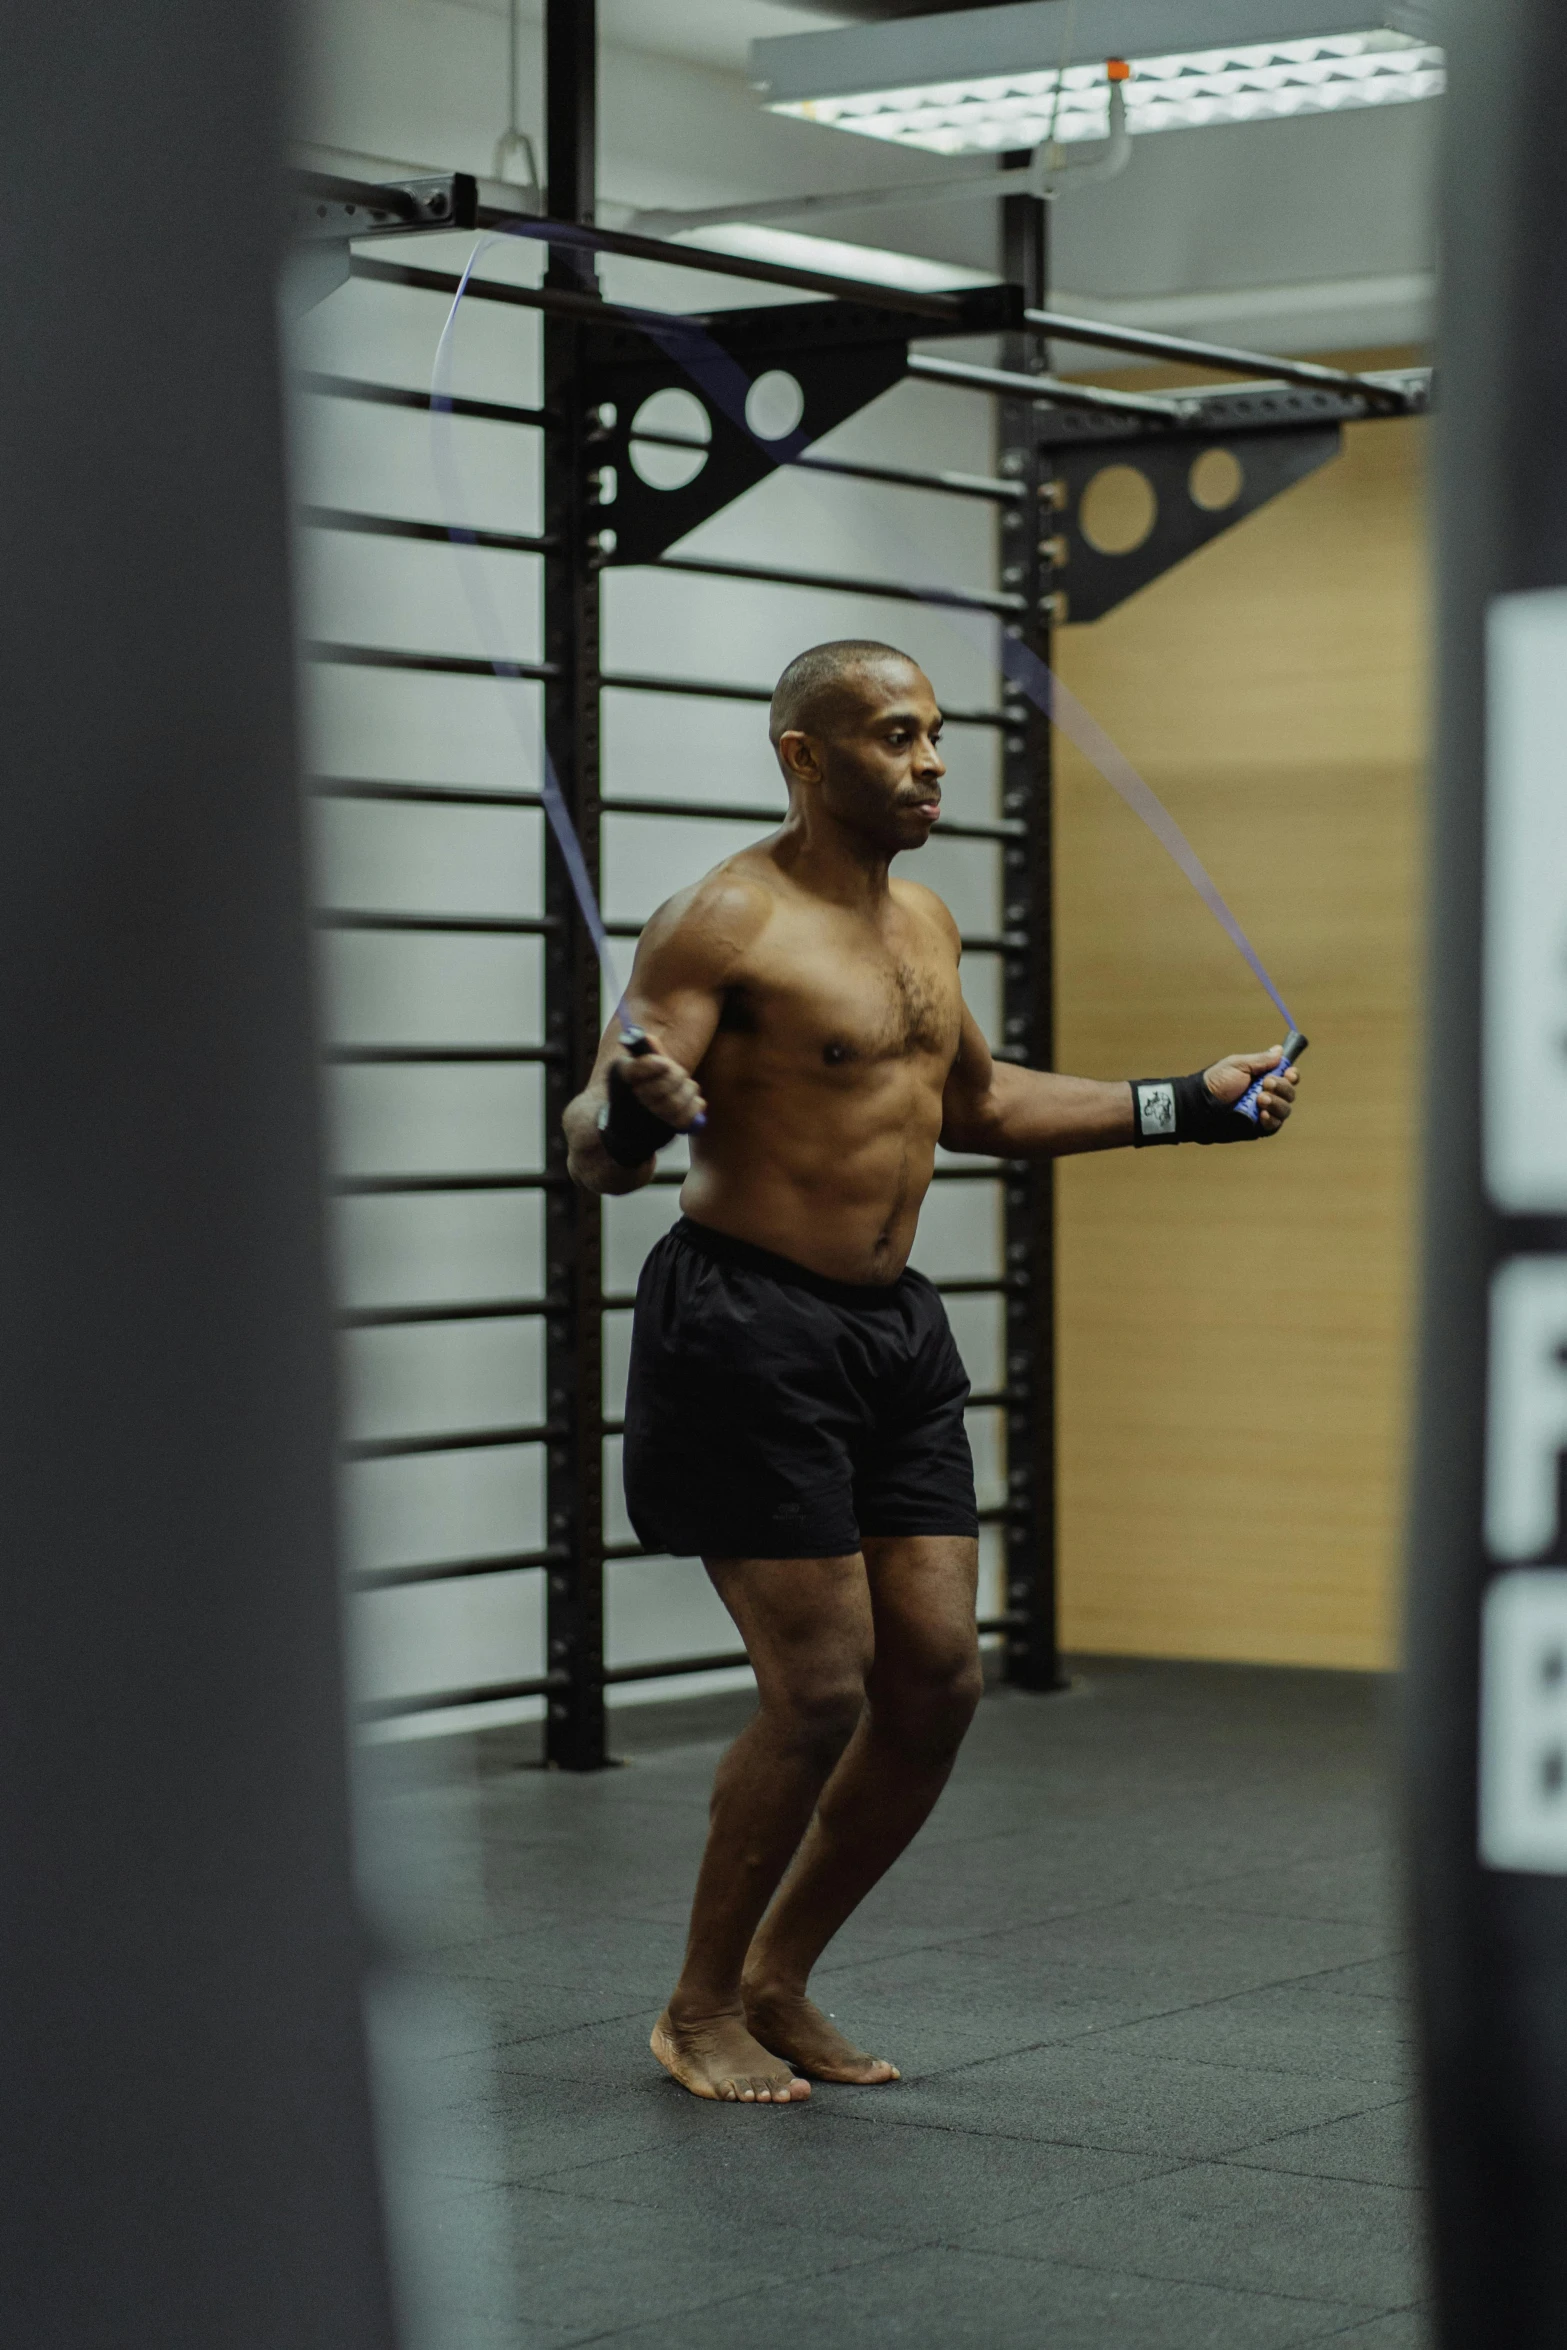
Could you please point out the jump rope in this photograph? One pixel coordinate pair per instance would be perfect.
(725, 384)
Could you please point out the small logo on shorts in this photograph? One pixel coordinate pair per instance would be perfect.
(787, 1509)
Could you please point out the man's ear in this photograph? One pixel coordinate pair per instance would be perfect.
(797, 756)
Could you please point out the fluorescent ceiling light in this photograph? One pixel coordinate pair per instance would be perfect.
(907, 271)
(992, 80)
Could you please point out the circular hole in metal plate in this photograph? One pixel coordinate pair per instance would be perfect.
(1118, 509)
(1216, 480)
(681, 415)
(774, 405)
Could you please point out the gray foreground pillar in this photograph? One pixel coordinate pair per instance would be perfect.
(185, 2143)
(1487, 1696)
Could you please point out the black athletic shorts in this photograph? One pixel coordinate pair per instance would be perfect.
(771, 1413)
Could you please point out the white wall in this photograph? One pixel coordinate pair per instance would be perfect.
(419, 82)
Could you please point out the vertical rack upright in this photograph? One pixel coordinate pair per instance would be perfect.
(1028, 1023)
(574, 1613)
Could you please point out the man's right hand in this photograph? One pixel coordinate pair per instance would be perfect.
(662, 1086)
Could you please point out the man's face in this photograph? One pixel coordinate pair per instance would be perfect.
(879, 771)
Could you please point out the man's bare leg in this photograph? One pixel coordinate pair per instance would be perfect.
(922, 1691)
(807, 1627)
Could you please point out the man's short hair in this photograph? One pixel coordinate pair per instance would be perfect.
(817, 685)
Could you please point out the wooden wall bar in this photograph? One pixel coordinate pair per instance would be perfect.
(1235, 1324)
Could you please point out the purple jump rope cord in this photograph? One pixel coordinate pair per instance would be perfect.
(727, 385)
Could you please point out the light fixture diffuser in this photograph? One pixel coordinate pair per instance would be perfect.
(1191, 69)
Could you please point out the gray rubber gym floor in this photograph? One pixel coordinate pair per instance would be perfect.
(1141, 1973)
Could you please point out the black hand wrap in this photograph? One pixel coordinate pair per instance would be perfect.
(630, 1133)
(1181, 1109)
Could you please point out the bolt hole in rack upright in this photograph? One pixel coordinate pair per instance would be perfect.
(601, 368)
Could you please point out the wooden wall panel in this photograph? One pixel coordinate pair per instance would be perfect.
(1235, 1324)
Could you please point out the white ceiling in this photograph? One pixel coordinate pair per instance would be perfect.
(707, 32)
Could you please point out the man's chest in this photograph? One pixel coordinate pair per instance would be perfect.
(845, 997)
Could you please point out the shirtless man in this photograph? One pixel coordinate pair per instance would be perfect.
(795, 1409)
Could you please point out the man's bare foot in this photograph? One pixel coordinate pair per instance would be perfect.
(718, 2058)
(797, 2028)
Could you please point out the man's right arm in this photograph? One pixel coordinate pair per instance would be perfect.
(685, 958)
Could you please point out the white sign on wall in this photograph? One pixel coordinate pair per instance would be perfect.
(1523, 1722)
(1525, 1087)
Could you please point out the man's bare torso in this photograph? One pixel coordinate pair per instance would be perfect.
(824, 1080)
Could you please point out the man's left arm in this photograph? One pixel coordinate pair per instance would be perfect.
(1005, 1112)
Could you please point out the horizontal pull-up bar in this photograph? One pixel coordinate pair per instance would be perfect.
(1145, 342)
(953, 310)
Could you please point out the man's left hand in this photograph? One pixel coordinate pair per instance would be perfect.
(1227, 1080)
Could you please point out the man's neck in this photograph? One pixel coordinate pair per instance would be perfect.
(831, 862)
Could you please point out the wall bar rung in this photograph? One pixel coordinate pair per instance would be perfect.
(712, 689)
(394, 1709)
(326, 651)
(377, 1056)
(490, 1309)
(724, 1661)
(1004, 828)
(396, 1448)
(964, 599)
(434, 795)
(353, 387)
(955, 485)
(438, 925)
(414, 1186)
(453, 1570)
(622, 1301)
(397, 526)
(997, 1174)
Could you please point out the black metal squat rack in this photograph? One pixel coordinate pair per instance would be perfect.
(1052, 438)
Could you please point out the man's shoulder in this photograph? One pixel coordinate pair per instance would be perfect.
(718, 917)
(925, 906)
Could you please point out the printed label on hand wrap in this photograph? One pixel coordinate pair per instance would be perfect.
(1156, 1111)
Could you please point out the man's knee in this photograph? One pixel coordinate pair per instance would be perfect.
(817, 1712)
(928, 1704)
